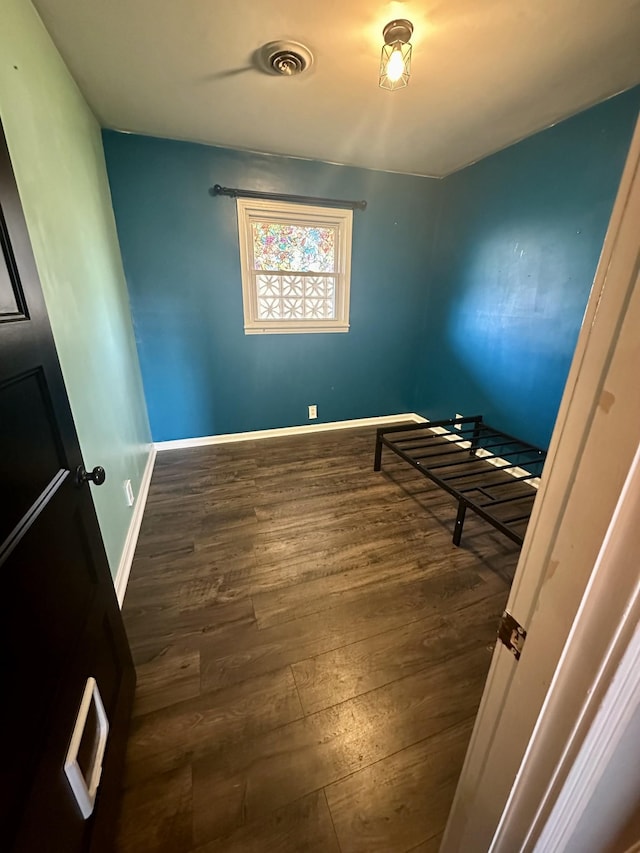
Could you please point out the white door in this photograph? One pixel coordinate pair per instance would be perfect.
(521, 727)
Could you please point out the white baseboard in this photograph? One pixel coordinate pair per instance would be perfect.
(227, 438)
(124, 568)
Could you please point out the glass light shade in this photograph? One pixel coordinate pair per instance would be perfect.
(395, 65)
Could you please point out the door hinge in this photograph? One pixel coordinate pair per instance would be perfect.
(512, 634)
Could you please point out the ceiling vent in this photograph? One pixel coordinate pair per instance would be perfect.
(286, 58)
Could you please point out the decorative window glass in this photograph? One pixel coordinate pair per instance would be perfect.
(296, 263)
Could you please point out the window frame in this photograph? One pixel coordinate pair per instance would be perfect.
(250, 210)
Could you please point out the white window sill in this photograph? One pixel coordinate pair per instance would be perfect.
(305, 329)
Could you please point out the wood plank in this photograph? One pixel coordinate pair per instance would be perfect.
(156, 817)
(304, 825)
(153, 578)
(356, 668)
(258, 775)
(188, 730)
(169, 677)
(152, 629)
(242, 651)
(430, 845)
(292, 602)
(405, 797)
(205, 588)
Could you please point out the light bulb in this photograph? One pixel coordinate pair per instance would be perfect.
(395, 65)
(395, 60)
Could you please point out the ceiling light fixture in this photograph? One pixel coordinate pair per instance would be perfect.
(395, 62)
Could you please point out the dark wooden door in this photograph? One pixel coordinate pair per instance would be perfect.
(61, 624)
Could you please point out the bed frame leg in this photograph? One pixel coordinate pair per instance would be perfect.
(377, 460)
(457, 530)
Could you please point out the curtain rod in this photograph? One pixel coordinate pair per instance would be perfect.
(300, 199)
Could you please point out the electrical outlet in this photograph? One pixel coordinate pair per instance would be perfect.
(313, 412)
(458, 426)
(129, 492)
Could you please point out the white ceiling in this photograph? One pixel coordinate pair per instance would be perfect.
(485, 73)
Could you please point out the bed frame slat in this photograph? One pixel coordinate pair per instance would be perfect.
(473, 432)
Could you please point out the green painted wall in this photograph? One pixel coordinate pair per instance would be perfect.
(57, 154)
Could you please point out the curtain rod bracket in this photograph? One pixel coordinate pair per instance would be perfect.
(299, 199)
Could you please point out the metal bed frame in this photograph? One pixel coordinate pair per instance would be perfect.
(466, 462)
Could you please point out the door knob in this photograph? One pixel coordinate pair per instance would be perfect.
(97, 476)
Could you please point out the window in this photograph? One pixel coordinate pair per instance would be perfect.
(296, 264)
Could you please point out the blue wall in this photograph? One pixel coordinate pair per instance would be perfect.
(202, 374)
(517, 248)
(467, 294)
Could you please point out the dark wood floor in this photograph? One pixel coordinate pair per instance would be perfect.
(310, 647)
